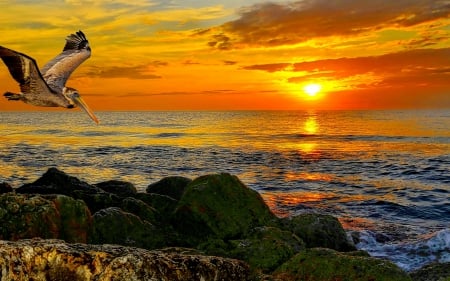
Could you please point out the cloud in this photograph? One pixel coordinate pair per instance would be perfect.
(274, 24)
(270, 67)
(423, 67)
(131, 72)
(229, 62)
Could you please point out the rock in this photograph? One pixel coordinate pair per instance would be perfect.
(171, 186)
(76, 219)
(98, 201)
(140, 209)
(318, 230)
(58, 216)
(114, 226)
(56, 260)
(320, 264)
(163, 204)
(55, 181)
(432, 272)
(5, 187)
(266, 248)
(219, 206)
(120, 188)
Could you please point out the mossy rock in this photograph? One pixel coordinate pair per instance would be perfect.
(55, 181)
(140, 209)
(170, 186)
(266, 248)
(320, 264)
(76, 219)
(318, 230)
(165, 205)
(45, 216)
(120, 188)
(219, 206)
(114, 226)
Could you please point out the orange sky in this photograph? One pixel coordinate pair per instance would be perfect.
(217, 55)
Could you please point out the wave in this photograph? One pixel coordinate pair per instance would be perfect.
(410, 256)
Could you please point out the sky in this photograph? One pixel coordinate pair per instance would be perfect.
(241, 55)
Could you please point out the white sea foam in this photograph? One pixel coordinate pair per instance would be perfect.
(409, 255)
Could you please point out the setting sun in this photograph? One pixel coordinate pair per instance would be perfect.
(312, 89)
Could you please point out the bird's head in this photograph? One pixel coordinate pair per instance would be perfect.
(75, 99)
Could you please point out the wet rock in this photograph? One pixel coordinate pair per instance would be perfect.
(320, 264)
(266, 248)
(58, 216)
(115, 226)
(219, 206)
(76, 219)
(165, 205)
(318, 230)
(140, 209)
(56, 260)
(55, 181)
(171, 186)
(98, 201)
(432, 272)
(5, 187)
(120, 188)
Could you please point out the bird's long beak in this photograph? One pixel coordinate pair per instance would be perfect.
(80, 102)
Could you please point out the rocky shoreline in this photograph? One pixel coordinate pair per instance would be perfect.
(209, 228)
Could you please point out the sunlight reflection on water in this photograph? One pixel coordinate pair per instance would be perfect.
(349, 163)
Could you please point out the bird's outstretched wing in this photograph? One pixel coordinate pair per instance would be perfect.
(76, 51)
(25, 71)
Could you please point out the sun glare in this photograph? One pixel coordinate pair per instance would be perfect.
(312, 89)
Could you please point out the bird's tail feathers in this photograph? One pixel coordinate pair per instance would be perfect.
(12, 96)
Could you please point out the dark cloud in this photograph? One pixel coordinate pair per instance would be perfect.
(270, 67)
(157, 63)
(131, 72)
(271, 24)
(229, 62)
(221, 42)
(422, 66)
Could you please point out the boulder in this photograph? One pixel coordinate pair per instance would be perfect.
(266, 248)
(140, 209)
(5, 187)
(76, 219)
(58, 216)
(165, 205)
(219, 206)
(171, 186)
(55, 181)
(115, 226)
(318, 230)
(55, 260)
(120, 188)
(320, 264)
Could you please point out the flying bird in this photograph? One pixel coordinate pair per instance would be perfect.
(47, 87)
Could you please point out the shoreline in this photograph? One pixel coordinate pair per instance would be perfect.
(106, 208)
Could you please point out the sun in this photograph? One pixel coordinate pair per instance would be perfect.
(312, 89)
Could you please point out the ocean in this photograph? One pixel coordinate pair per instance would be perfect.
(384, 174)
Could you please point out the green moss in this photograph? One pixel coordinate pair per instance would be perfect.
(220, 206)
(319, 230)
(266, 248)
(321, 264)
(114, 226)
(76, 219)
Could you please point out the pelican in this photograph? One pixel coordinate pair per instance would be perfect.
(47, 87)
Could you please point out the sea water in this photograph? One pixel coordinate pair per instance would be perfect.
(384, 174)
